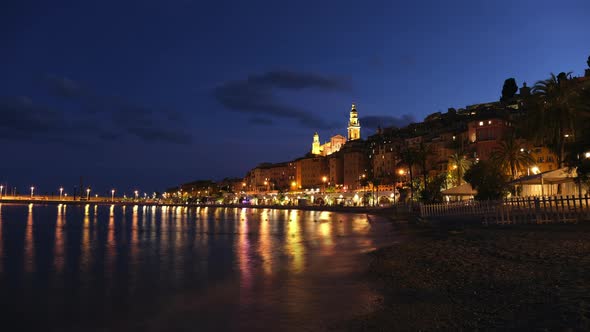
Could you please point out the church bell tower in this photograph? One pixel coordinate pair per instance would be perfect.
(354, 126)
(315, 146)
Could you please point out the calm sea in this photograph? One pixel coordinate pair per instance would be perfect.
(113, 268)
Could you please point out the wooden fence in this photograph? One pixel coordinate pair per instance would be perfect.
(547, 209)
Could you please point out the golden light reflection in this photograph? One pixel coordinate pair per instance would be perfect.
(134, 245)
(110, 245)
(29, 241)
(265, 247)
(243, 248)
(360, 224)
(293, 216)
(293, 245)
(58, 250)
(324, 216)
(326, 231)
(85, 245)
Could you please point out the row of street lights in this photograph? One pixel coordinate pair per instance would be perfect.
(62, 194)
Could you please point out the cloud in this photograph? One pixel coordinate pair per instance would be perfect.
(255, 96)
(257, 120)
(96, 116)
(22, 119)
(298, 81)
(153, 134)
(64, 87)
(385, 121)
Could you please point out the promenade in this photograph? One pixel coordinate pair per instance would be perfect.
(390, 211)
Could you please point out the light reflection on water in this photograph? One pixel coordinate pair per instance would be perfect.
(177, 267)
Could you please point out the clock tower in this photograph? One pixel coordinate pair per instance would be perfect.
(354, 126)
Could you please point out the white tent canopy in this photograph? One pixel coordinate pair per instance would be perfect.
(544, 183)
(562, 175)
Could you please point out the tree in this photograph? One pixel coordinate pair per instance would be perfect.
(511, 157)
(408, 158)
(578, 159)
(459, 164)
(432, 190)
(488, 179)
(588, 61)
(553, 112)
(422, 154)
(509, 89)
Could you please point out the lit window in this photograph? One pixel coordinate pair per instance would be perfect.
(481, 123)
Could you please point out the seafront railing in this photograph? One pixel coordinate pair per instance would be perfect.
(538, 210)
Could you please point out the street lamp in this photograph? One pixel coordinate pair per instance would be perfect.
(1, 187)
(87, 193)
(32, 190)
(324, 179)
(61, 190)
(136, 193)
(112, 195)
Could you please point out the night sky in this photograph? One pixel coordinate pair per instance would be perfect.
(147, 94)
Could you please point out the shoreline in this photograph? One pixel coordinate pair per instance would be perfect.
(390, 212)
(530, 277)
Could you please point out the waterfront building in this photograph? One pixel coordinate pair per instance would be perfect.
(336, 169)
(310, 172)
(356, 164)
(269, 177)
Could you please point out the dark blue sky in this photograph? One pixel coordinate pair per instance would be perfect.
(150, 93)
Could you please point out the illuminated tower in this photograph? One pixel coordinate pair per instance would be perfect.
(354, 127)
(315, 146)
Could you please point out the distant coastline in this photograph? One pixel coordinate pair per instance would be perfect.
(382, 211)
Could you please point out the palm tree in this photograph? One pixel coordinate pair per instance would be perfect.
(408, 157)
(510, 156)
(460, 164)
(423, 152)
(554, 110)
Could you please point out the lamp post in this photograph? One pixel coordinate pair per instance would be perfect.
(1, 187)
(136, 193)
(112, 195)
(61, 190)
(324, 179)
(32, 190)
(87, 193)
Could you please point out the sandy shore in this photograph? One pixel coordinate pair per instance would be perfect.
(534, 277)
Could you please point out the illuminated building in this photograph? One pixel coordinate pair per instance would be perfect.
(354, 126)
(268, 177)
(337, 141)
(310, 171)
(334, 145)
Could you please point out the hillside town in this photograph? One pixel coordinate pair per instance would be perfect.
(533, 141)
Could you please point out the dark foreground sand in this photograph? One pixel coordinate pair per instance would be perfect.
(534, 277)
